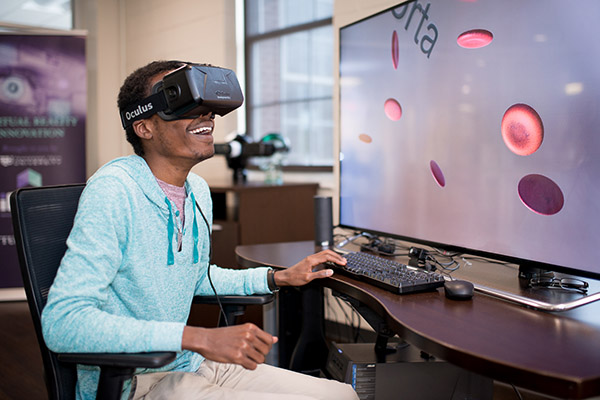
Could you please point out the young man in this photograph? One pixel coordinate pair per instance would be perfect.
(139, 252)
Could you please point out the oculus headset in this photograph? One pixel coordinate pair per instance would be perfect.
(188, 92)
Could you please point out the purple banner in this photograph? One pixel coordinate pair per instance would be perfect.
(43, 92)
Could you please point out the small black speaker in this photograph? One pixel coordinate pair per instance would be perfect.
(323, 221)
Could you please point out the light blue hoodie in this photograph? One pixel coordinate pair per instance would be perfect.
(123, 285)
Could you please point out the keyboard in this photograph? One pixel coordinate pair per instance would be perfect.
(388, 274)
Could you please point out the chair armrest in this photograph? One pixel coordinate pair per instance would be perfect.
(116, 368)
(120, 360)
(257, 299)
(233, 306)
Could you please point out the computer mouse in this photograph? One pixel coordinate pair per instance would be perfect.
(459, 290)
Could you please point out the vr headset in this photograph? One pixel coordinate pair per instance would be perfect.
(188, 92)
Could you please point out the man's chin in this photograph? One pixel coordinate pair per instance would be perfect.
(206, 155)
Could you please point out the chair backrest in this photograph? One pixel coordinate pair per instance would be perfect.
(42, 220)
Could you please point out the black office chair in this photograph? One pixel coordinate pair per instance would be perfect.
(42, 220)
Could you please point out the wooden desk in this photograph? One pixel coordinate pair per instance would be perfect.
(253, 213)
(552, 353)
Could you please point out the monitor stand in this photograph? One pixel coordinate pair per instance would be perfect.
(527, 272)
(510, 282)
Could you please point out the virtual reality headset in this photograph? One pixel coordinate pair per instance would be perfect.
(188, 92)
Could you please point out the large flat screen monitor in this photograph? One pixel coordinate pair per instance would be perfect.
(474, 125)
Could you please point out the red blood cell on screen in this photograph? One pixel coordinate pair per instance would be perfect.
(522, 129)
(363, 137)
(437, 173)
(392, 109)
(395, 49)
(475, 39)
(541, 194)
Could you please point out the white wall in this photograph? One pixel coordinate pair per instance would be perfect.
(105, 139)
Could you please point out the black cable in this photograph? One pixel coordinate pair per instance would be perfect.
(331, 310)
(488, 260)
(384, 247)
(336, 236)
(445, 266)
(357, 336)
(208, 270)
(348, 320)
(348, 239)
(517, 392)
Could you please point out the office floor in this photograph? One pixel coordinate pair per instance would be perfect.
(21, 367)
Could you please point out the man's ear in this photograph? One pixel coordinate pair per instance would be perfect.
(143, 128)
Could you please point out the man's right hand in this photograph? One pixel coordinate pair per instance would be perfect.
(246, 345)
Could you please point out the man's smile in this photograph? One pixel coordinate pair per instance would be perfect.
(201, 130)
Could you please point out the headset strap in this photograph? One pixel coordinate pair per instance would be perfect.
(144, 109)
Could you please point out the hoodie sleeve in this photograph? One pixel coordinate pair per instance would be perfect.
(235, 281)
(74, 319)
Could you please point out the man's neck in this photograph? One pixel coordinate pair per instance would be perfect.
(168, 172)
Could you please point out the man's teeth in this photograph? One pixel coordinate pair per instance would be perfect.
(201, 131)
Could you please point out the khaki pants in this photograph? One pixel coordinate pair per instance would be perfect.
(229, 381)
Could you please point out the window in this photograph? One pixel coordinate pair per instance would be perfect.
(289, 69)
(54, 14)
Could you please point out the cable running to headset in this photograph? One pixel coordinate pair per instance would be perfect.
(209, 263)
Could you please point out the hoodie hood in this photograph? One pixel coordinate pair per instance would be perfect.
(139, 171)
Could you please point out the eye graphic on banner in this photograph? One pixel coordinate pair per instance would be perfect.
(43, 97)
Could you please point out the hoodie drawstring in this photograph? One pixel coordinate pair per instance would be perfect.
(170, 233)
(195, 231)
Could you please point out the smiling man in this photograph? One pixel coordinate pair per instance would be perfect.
(139, 252)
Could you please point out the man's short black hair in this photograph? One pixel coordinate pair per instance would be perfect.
(137, 87)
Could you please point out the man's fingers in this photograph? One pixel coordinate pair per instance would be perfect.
(324, 273)
(263, 336)
(324, 257)
(261, 346)
(249, 364)
(331, 256)
(258, 343)
(256, 356)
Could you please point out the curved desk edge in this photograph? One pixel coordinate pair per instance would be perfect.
(483, 335)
